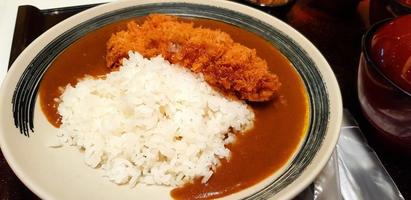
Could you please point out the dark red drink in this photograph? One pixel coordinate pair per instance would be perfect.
(384, 81)
(407, 2)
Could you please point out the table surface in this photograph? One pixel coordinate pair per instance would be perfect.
(336, 36)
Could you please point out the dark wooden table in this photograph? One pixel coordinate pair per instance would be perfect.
(336, 35)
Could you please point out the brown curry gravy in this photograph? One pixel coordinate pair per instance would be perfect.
(278, 129)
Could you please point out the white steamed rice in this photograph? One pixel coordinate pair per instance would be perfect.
(151, 122)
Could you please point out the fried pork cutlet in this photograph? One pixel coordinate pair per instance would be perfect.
(228, 66)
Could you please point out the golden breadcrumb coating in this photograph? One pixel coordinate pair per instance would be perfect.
(228, 66)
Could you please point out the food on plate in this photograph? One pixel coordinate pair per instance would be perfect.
(226, 65)
(266, 134)
(151, 122)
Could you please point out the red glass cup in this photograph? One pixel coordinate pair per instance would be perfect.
(386, 105)
(384, 9)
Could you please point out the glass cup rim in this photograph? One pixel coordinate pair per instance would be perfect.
(365, 45)
(404, 5)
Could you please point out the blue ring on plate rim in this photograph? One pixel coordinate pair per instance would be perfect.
(25, 94)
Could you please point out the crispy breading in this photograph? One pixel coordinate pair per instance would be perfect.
(228, 66)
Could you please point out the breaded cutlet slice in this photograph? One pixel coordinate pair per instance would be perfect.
(229, 67)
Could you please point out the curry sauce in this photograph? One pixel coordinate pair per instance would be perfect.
(278, 129)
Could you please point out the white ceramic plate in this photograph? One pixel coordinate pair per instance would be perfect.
(58, 174)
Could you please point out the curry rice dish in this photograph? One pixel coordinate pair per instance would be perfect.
(236, 63)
